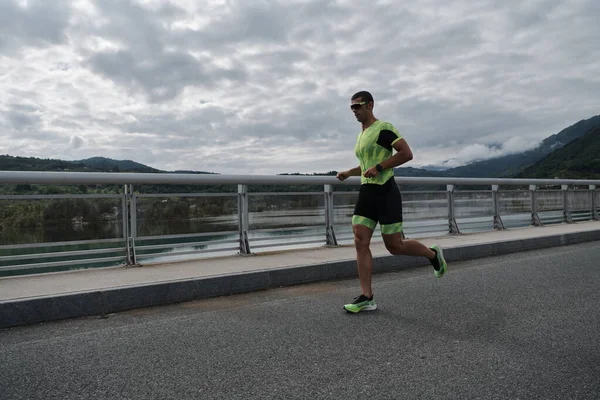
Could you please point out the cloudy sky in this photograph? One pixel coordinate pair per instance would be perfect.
(264, 86)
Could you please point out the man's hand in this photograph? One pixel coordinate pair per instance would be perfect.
(343, 175)
(371, 172)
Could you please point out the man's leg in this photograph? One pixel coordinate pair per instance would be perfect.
(364, 221)
(364, 262)
(364, 258)
(397, 246)
(391, 231)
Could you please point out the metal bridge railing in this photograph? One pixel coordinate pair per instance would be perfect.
(146, 228)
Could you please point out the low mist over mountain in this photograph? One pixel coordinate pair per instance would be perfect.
(512, 165)
(579, 159)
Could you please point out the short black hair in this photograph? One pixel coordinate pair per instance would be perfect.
(364, 95)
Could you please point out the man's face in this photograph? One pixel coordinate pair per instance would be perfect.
(360, 108)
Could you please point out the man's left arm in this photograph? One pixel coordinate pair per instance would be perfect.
(403, 155)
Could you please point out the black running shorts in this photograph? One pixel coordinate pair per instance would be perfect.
(379, 203)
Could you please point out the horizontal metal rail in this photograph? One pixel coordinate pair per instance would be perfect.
(162, 195)
(58, 196)
(62, 263)
(299, 236)
(288, 244)
(431, 201)
(178, 245)
(60, 254)
(91, 178)
(295, 228)
(474, 191)
(354, 193)
(186, 235)
(429, 192)
(285, 193)
(185, 253)
(55, 244)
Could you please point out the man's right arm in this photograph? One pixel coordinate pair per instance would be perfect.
(356, 171)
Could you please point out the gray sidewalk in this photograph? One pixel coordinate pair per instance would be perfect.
(52, 296)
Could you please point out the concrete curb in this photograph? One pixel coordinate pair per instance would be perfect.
(29, 311)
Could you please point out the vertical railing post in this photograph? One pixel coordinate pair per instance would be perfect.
(535, 218)
(330, 239)
(498, 224)
(243, 219)
(566, 209)
(402, 232)
(452, 225)
(594, 203)
(133, 213)
(132, 229)
(125, 212)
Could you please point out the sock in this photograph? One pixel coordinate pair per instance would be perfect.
(434, 261)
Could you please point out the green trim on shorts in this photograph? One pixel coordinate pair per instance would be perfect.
(360, 220)
(391, 228)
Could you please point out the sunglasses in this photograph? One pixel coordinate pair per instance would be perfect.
(356, 106)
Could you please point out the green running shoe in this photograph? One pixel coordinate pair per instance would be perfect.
(361, 303)
(439, 262)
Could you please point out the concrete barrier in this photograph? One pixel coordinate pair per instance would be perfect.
(25, 311)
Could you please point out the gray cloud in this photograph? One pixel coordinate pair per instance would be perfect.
(147, 61)
(264, 86)
(38, 24)
(21, 117)
(162, 76)
(75, 142)
(20, 120)
(239, 23)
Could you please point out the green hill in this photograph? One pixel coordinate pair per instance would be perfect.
(513, 164)
(94, 164)
(579, 159)
(416, 172)
(10, 163)
(110, 165)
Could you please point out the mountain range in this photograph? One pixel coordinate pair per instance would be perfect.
(578, 159)
(572, 153)
(513, 165)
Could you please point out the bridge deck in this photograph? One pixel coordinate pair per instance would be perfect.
(516, 326)
(45, 297)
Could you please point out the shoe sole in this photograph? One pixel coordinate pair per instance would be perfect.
(367, 308)
(444, 266)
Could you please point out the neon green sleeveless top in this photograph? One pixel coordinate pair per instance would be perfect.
(373, 146)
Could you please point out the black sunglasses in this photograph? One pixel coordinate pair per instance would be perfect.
(356, 106)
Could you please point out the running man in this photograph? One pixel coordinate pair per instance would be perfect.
(379, 199)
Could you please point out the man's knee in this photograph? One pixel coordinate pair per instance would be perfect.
(394, 243)
(361, 242)
(362, 237)
(394, 248)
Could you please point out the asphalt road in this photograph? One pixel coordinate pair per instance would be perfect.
(522, 326)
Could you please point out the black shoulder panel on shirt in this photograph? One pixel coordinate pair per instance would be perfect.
(385, 139)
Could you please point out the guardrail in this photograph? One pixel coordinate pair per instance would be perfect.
(244, 222)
